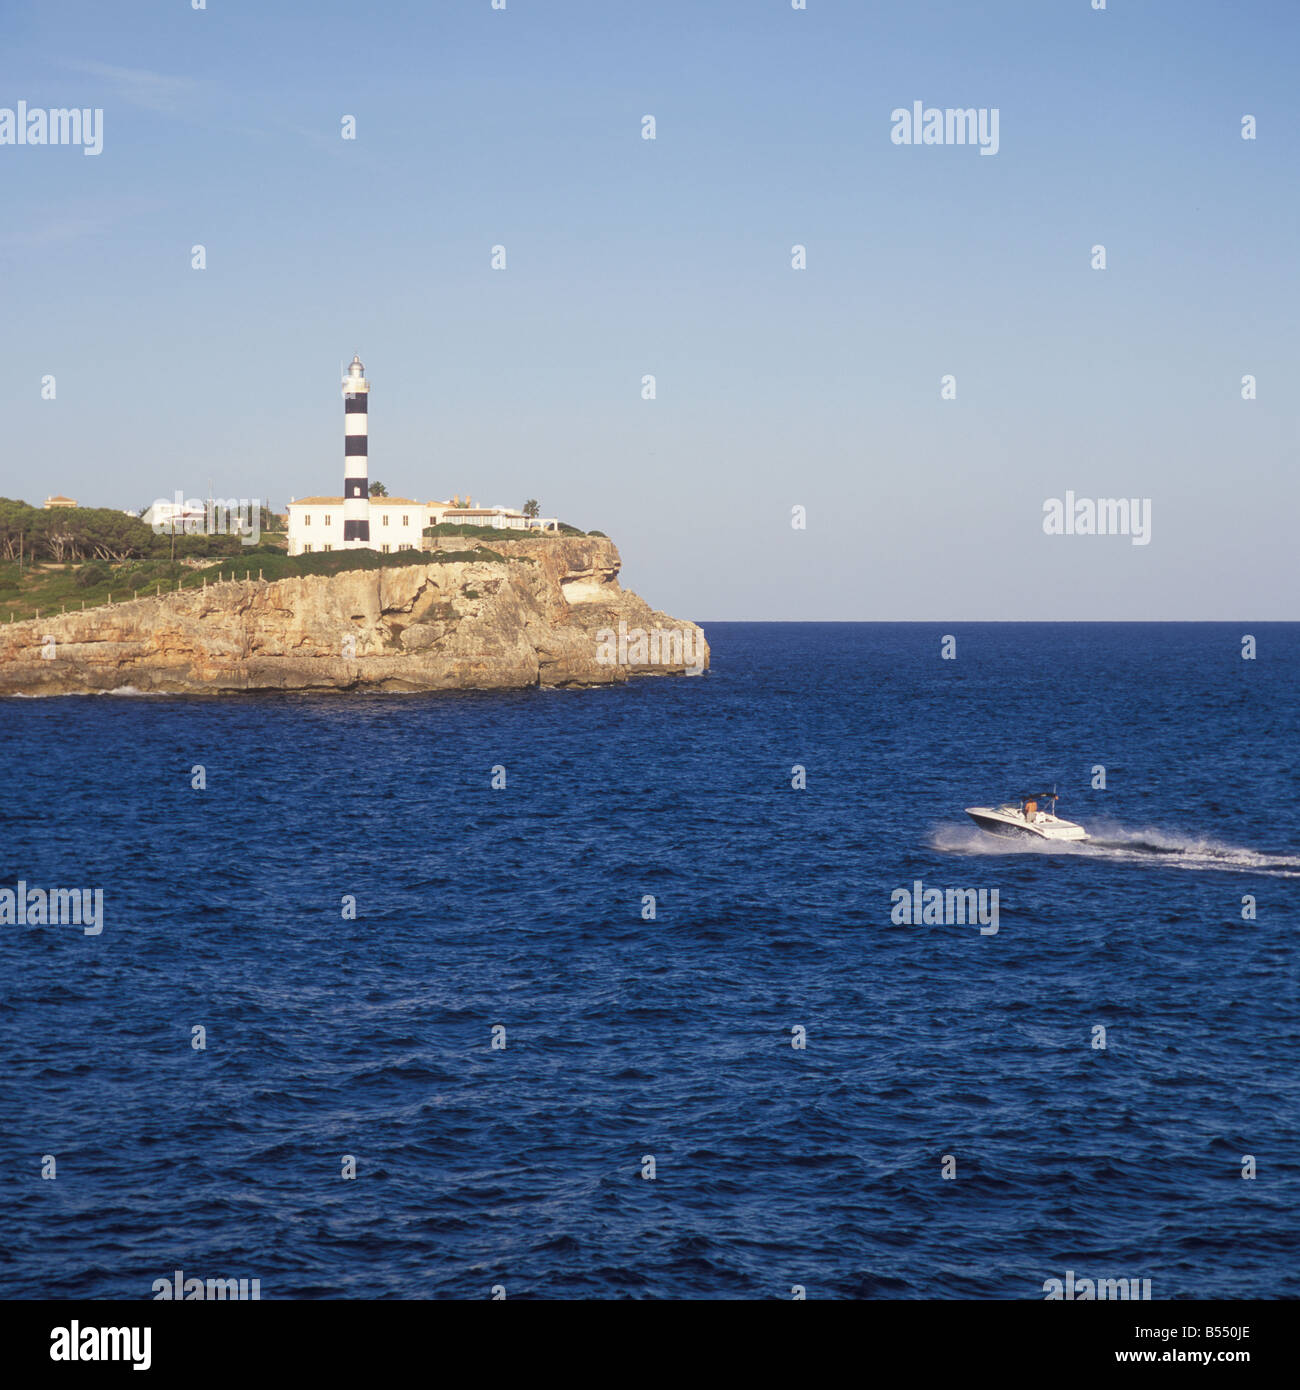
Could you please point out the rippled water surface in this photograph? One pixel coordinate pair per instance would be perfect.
(627, 1037)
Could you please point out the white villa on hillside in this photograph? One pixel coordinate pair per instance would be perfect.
(396, 523)
(217, 516)
(185, 517)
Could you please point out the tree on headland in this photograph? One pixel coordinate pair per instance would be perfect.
(377, 489)
(101, 533)
(532, 507)
(16, 521)
(73, 534)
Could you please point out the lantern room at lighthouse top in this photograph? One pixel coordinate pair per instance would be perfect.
(355, 381)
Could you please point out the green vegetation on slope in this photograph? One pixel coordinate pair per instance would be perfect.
(48, 589)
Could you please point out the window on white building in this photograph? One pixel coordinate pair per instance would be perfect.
(406, 521)
(327, 518)
(327, 547)
(306, 521)
(306, 550)
(387, 548)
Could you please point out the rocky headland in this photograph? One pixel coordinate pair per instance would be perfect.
(542, 611)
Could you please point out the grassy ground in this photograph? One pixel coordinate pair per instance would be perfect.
(47, 589)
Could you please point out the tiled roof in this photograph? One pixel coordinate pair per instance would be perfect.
(374, 502)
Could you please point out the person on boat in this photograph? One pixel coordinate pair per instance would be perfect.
(1031, 810)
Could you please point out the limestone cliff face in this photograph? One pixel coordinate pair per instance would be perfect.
(543, 616)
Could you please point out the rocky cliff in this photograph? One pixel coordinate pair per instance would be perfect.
(549, 612)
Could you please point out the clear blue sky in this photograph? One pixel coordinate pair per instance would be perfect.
(672, 257)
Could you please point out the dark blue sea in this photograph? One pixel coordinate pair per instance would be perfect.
(629, 1038)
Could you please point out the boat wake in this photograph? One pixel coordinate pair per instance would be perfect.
(1114, 844)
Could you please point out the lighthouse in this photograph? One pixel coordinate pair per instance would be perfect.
(356, 486)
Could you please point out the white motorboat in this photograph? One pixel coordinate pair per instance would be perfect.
(1033, 815)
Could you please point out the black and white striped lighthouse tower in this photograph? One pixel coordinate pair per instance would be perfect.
(356, 483)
